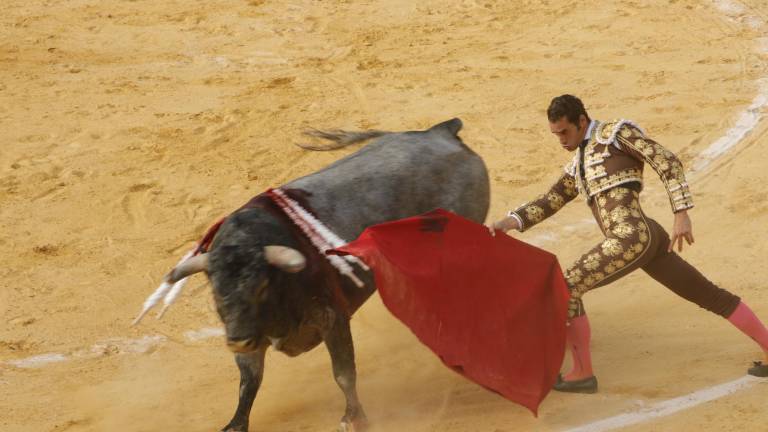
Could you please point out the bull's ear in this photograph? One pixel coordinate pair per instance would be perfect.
(285, 258)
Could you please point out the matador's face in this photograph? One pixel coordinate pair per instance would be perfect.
(569, 134)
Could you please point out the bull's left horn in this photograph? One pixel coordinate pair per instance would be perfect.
(285, 258)
(189, 267)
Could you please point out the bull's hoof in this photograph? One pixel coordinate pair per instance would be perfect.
(359, 424)
(235, 428)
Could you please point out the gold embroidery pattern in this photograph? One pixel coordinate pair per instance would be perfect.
(618, 263)
(574, 276)
(594, 172)
(556, 202)
(592, 261)
(605, 218)
(534, 213)
(597, 177)
(627, 240)
(569, 187)
(623, 230)
(606, 130)
(664, 162)
(575, 306)
(618, 194)
(626, 132)
(619, 214)
(544, 206)
(612, 247)
(604, 183)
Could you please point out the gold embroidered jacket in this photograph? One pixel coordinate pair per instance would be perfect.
(615, 154)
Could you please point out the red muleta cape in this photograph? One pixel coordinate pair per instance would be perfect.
(492, 308)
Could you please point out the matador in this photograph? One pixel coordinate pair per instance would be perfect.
(607, 170)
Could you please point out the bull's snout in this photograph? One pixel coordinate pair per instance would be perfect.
(241, 345)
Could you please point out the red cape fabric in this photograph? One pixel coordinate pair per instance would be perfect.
(492, 308)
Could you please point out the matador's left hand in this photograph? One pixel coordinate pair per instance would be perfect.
(681, 230)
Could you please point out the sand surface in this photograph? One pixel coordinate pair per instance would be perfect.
(129, 126)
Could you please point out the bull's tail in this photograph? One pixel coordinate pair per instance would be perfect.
(339, 138)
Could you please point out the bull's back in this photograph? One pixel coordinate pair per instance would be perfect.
(400, 175)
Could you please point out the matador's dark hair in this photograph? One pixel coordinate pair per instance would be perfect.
(566, 105)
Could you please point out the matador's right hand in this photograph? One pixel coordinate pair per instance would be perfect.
(681, 229)
(503, 225)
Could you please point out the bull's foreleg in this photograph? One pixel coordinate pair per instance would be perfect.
(251, 372)
(339, 343)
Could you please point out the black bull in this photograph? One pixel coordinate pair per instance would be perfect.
(272, 287)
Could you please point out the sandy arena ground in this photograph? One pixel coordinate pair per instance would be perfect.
(129, 126)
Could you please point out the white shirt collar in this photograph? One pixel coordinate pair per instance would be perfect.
(591, 127)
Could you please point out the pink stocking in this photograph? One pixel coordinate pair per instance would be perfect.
(746, 321)
(578, 335)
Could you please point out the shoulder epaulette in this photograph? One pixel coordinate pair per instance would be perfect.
(606, 132)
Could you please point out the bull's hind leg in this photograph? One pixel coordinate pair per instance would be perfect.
(251, 372)
(339, 343)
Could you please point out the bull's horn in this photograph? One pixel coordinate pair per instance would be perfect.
(189, 267)
(285, 258)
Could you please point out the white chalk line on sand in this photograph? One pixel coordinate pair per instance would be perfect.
(204, 333)
(745, 123)
(38, 360)
(748, 120)
(669, 407)
(113, 346)
(106, 347)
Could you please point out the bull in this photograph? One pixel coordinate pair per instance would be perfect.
(273, 288)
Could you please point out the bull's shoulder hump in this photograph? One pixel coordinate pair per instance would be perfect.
(452, 126)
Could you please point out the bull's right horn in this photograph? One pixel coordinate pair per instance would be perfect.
(285, 258)
(189, 267)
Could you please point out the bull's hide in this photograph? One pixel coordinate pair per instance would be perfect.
(492, 308)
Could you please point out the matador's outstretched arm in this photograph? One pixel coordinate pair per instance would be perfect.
(544, 206)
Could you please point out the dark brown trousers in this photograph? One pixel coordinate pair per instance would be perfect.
(634, 241)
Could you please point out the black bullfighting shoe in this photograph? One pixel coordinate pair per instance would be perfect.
(586, 385)
(759, 370)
